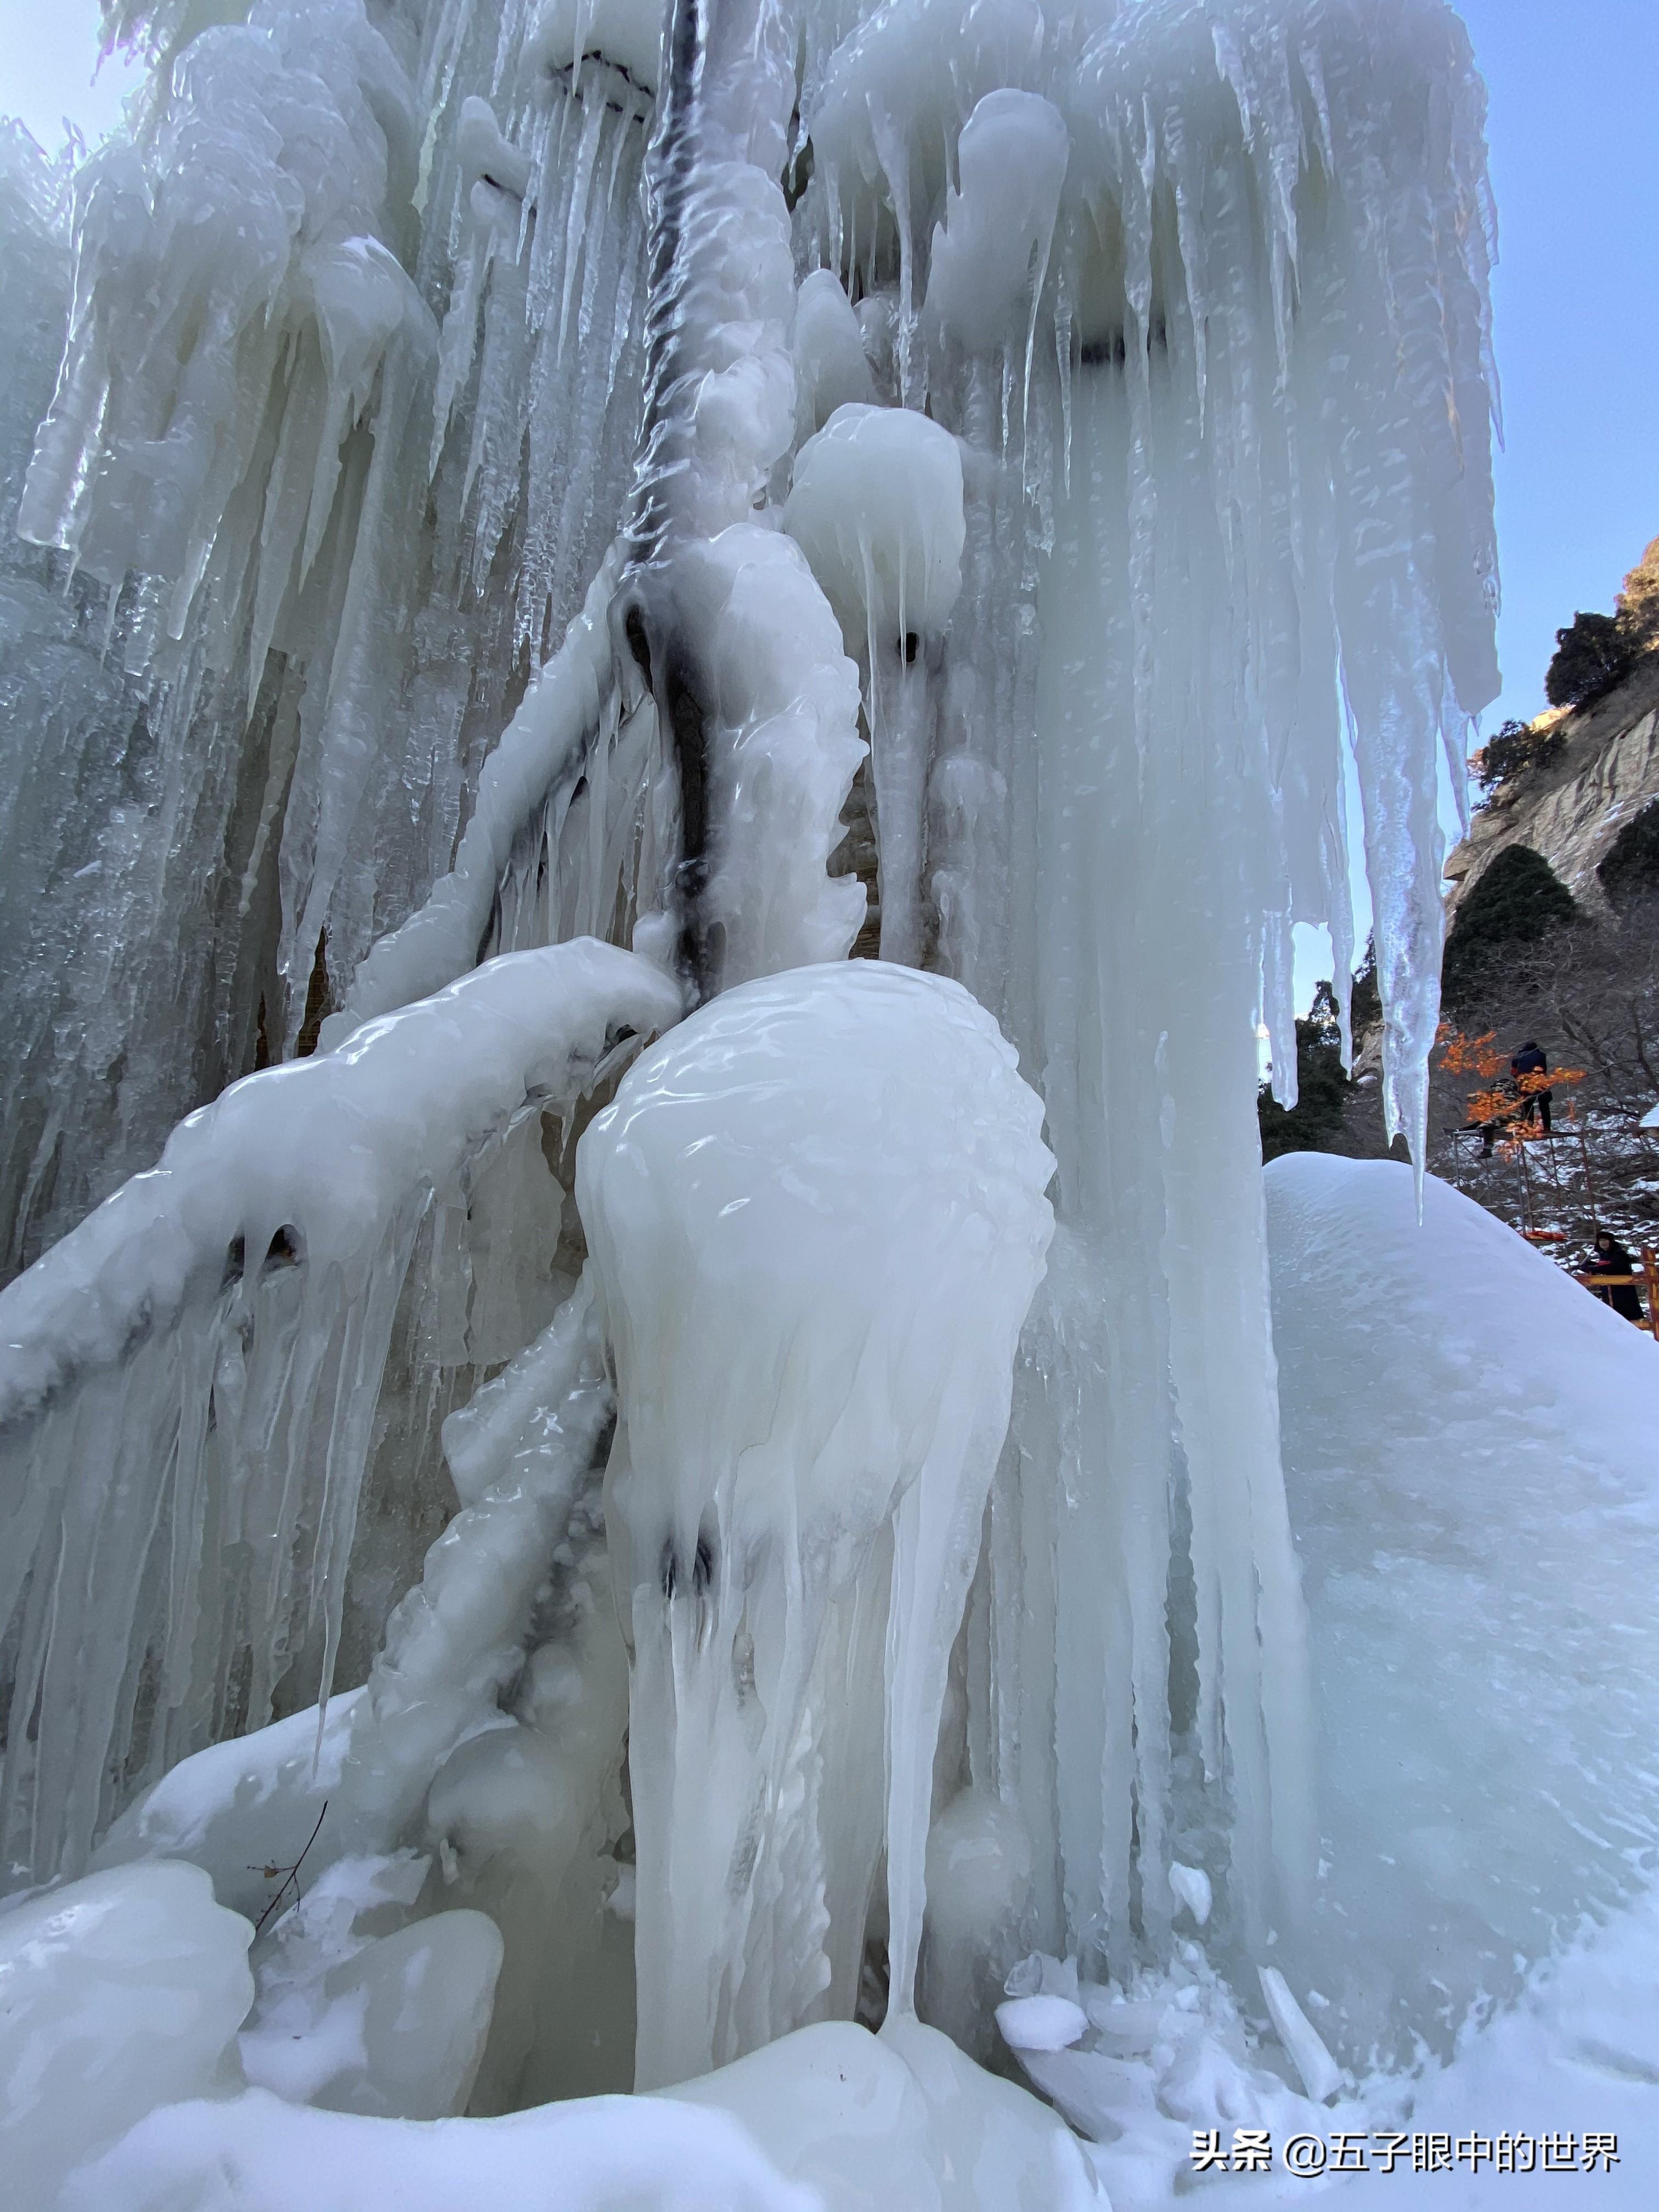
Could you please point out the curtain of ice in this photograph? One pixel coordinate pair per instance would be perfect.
(1202, 291)
(336, 309)
(191, 1379)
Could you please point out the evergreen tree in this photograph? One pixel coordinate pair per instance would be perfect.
(1518, 900)
(1591, 653)
(1322, 1089)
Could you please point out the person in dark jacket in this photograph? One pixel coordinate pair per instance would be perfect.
(1609, 1257)
(1534, 1104)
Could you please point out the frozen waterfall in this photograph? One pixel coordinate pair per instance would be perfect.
(552, 529)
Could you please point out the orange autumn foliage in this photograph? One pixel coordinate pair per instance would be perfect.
(1499, 1100)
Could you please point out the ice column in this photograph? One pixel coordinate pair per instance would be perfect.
(816, 1217)
(1202, 292)
(755, 697)
(876, 507)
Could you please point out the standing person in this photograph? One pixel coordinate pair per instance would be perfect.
(1609, 1257)
(1530, 1060)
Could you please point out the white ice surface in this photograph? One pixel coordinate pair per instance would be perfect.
(875, 506)
(331, 1146)
(815, 1218)
(1474, 1490)
(1041, 2023)
(118, 1993)
(238, 1807)
(831, 370)
(990, 256)
(832, 2119)
(628, 33)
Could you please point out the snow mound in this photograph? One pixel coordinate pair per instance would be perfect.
(832, 2119)
(1470, 1465)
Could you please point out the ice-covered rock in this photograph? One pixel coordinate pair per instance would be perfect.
(118, 1993)
(832, 2119)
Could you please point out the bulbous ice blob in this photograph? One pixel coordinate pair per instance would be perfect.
(876, 507)
(992, 249)
(815, 1218)
(118, 1993)
(831, 368)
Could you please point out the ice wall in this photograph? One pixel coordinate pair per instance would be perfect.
(817, 1217)
(1469, 1454)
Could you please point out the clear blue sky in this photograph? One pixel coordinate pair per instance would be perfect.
(1574, 131)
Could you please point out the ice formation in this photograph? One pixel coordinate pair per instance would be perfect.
(801, 1464)
(120, 1993)
(524, 481)
(191, 1377)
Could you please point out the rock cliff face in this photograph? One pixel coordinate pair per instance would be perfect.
(1573, 812)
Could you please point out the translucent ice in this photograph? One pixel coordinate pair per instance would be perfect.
(224, 1323)
(816, 1219)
